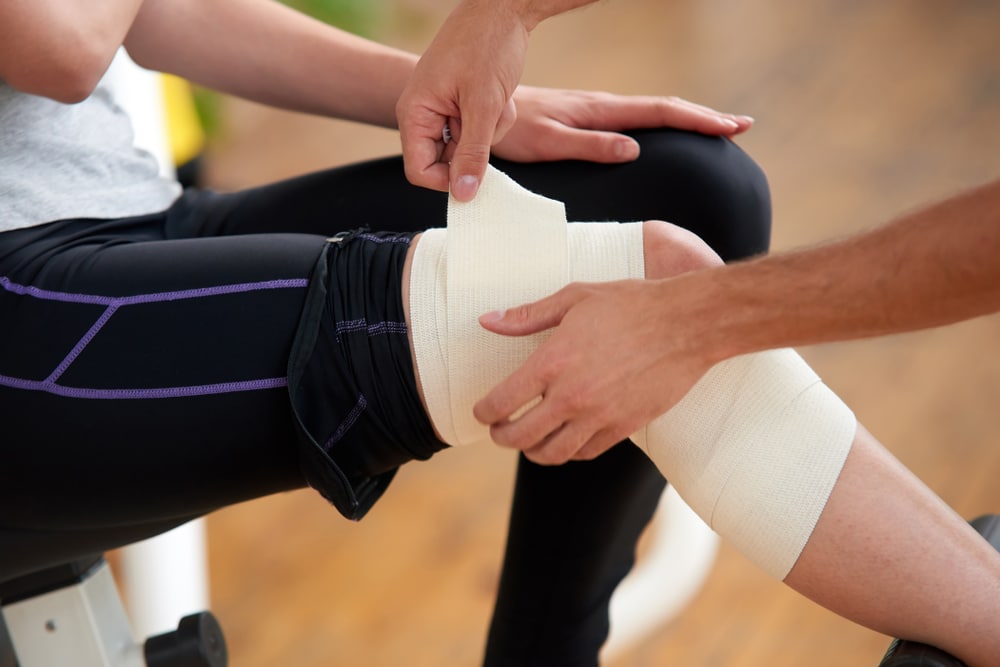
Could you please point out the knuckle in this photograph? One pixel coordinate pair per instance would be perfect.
(549, 370)
(472, 152)
(500, 437)
(579, 400)
(413, 174)
(521, 313)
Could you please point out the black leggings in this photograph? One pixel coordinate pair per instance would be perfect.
(144, 362)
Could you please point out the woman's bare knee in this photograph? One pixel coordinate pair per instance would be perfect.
(670, 250)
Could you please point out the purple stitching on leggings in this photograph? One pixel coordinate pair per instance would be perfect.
(350, 326)
(81, 344)
(348, 422)
(386, 328)
(377, 329)
(114, 303)
(374, 238)
(155, 392)
(154, 297)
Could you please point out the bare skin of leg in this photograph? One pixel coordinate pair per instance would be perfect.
(886, 553)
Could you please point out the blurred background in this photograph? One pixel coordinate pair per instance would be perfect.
(864, 110)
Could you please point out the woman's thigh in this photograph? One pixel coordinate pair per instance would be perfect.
(144, 379)
(705, 184)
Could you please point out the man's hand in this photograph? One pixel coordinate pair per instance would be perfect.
(465, 79)
(610, 366)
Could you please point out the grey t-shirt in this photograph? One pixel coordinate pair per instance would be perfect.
(60, 161)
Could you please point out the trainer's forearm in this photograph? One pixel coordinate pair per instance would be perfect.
(935, 266)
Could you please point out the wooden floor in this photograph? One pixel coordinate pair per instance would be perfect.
(863, 109)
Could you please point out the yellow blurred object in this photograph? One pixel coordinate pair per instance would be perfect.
(184, 131)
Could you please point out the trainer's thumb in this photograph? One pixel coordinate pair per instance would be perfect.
(480, 129)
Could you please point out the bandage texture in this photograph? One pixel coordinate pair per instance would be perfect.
(755, 449)
(506, 247)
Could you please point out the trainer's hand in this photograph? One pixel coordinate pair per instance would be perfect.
(465, 79)
(611, 365)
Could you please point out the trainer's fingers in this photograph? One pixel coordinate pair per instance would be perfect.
(530, 432)
(601, 442)
(532, 317)
(517, 390)
(575, 440)
(422, 146)
(433, 177)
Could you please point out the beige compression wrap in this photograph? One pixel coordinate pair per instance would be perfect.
(756, 446)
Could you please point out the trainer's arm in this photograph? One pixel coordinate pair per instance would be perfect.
(935, 266)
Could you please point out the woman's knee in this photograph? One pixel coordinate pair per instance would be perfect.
(669, 250)
(706, 168)
(718, 191)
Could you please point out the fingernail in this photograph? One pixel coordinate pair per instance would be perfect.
(626, 150)
(492, 316)
(465, 188)
(731, 124)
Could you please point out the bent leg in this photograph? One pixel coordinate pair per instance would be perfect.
(762, 461)
(704, 183)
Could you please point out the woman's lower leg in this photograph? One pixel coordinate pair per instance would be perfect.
(891, 555)
(887, 552)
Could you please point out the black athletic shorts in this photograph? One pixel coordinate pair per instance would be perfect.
(351, 376)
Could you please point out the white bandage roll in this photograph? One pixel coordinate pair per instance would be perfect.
(755, 448)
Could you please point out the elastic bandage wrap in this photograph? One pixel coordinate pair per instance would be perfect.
(754, 448)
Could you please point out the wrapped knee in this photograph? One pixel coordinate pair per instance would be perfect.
(755, 448)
